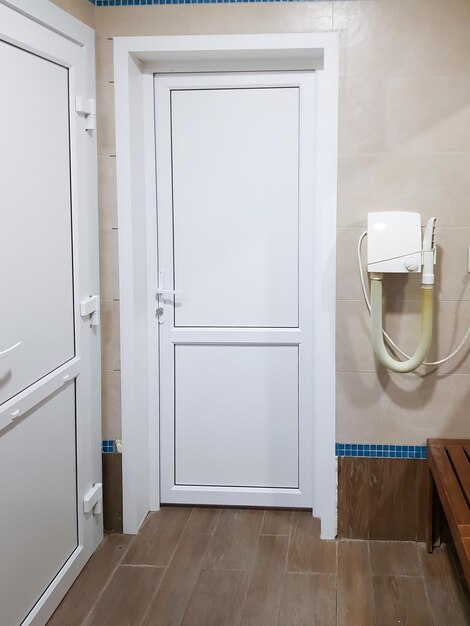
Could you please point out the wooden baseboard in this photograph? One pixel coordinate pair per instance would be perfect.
(382, 498)
(112, 492)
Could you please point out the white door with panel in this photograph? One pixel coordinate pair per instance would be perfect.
(235, 207)
(49, 355)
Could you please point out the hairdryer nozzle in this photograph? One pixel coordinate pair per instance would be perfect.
(428, 238)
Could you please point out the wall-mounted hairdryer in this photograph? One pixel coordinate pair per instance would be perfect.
(395, 245)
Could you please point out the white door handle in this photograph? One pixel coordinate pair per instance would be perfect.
(9, 350)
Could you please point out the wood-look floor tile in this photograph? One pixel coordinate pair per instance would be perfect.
(158, 537)
(264, 590)
(308, 600)
(395, 558)
(217, 599)
(446, 596)
(276, 522)
(127, 597)
(307, 552)
(400, 600)
(171, 600)
(203, 520)
(233, 544)
(89, 585)
(355, 601)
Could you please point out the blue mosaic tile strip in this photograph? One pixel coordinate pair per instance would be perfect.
(380, 451)
(387, 451)
(126, 3)
(108, 446)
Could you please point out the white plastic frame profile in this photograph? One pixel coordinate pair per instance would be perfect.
(136, 60)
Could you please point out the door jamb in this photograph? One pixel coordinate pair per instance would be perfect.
(136, 60)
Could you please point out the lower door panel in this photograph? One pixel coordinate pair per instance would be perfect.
(38, 502)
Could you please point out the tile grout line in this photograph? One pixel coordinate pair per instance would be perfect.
(336, 581)
(201, 568)
(152, 597)
(426, 591)
(252, 567)
(106, 585)
(224, 569)
(216, 523)
(369, 554)
(289, 541)
(284, 573)
(179, 538)
(166, 568)
(262, 523)
(143, 565)
(245, 597)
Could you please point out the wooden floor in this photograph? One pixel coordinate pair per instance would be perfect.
(210, 567)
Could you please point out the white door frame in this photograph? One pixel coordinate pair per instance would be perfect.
(28, 24)
(136, 60)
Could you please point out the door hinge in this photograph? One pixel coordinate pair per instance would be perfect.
(93, 501)
(87, 108)
(91, 306)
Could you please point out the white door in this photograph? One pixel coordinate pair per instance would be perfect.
(235, 205)
(49, 355)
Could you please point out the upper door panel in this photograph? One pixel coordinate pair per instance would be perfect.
(235, 155)
(36, 276)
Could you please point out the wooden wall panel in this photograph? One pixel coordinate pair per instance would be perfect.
(381, 498)
(112, 492)
(353, 498)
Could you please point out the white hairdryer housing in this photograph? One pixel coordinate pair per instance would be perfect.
(394, 246)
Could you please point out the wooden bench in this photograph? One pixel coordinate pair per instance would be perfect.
(449, 490)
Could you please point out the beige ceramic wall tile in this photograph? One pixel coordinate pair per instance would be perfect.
(361, 114)
(452, 278)
(111, 404)
(110, 345)
(401, 38)
(445, 400)
(385, 42)
(368, 36)
(105, 119)
(107, 200)
(81, 9)
(109, 265)
(214, 19)
(432, 184)
(423, 23)
(369, 406)
(451, 320)
(427, 114)
(401, 408)
(104, 60)
(348, 285)
(354, 352)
